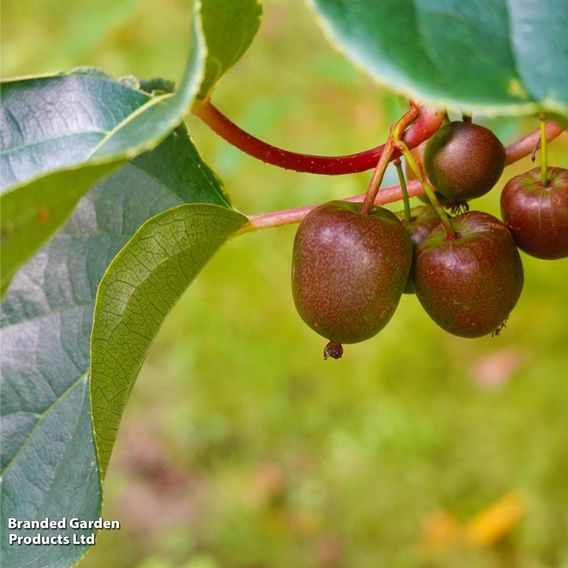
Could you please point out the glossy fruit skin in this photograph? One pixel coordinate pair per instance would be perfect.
(349, 269)
(424, 220)
(464, 160)
(470, 284)
(537, 214)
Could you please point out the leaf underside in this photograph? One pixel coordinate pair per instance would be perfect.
(48, 457)
(138, 290)
(485, 56)
(62, 133)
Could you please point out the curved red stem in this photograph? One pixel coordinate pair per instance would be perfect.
(428, 121)
(425, 125)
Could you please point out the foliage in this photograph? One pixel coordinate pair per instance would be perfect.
(48, 313)
(489, 58)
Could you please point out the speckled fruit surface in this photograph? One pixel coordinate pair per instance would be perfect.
(470, 284)
(537, 214)
(464, 160)
(349, 270)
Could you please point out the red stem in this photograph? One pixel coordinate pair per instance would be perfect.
(428, 121)
(425, 125)
(386, 195)
(390, 152)
(515, 152)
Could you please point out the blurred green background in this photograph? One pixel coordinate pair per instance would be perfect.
(240, 446)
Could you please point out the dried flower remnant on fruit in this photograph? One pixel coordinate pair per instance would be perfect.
(497, 331)
(333, 350)
(457, 207)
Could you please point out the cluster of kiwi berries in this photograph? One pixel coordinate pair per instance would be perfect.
(350, 269)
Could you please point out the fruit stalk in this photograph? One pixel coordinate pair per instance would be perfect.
(404, 190)
(396, 132)
(428, 189)
(543, 152)
(426, 124)
(377, 177)
(525, 145)
(274, 219)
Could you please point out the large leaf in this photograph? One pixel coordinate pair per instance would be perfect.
(486, 56)
(48, 459)
(53, 126)
(52, 122)
(136, 293)
(41, 206)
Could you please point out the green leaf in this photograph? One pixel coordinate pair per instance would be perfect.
(482, 56)
(48, 459)
(229, 27)
(41, 205)
(137, 291)
(53, 125)
(49, 123)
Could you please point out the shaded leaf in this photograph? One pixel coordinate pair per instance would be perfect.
(49, 123)
(81, 119)
(486, 56)
(48, 459)
(41, 205)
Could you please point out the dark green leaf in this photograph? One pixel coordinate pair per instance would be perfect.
(48, 458)
(52, 125)
(41, 205)
(87, 119)
(485, 56)
(49, 123)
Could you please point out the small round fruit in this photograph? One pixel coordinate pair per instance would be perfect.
(424, 220)
(452, 205)
(349, 269)
(469, 284)
(464, 160)
(537, 214)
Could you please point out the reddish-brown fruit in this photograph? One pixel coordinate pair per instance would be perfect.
(469, 284)
(349, 269)
(454, 206)
(537, 214)
(464, 160)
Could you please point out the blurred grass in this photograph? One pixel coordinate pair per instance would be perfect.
(240, 446)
